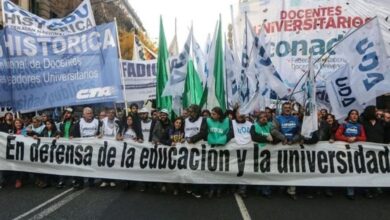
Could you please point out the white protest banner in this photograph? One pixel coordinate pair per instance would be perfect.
(81, 19)
(322, 164)
(297, 28)
(139, 78)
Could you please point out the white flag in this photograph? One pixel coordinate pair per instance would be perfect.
(200, 61)
(232, 68)
(175, 85)
(265, 66)
(365, 52)
(248, 84)
(310, 117)
(341, 94)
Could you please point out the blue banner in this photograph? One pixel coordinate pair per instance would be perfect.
(74, 69)
(5, 86)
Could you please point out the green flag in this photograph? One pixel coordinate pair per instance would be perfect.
(216, 87)
(193, 89)
(162, 71)
(219, 70)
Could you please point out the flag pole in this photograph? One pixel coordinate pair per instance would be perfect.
(233, 29)
(120, 66)
(226, 83)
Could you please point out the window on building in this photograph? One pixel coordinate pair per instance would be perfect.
(34, 6)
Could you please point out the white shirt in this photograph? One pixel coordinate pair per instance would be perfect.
(145, 126)
(192, 128)
(242, 133)
(89, 129)
(109, 127)
(129, 134)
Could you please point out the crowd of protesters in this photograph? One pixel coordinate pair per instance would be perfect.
(215, 127)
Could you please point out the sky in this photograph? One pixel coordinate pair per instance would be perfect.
(202, 13)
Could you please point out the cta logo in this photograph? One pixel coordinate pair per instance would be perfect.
(95, 92)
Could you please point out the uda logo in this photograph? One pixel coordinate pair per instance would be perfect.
(95, 92)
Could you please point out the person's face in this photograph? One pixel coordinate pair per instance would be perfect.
(191, 113)
(379, 114)
(215, 116)
(129, 121)
(239, 117)
(263, 119)
(268, 113)
(67, 115)
(88, 115)
(329, 119)
(134, 109)
(287, 109)
(143, 116)
(206, 114)
(184, 113)
(353, 116)
(49, 126)
(323, 112)
(163, 116)
(386, 117)
(18, 124)
(9, 117)
(155, 115)
(36, 123)
(178, 124)
(111, 114)
(44, 117)
(102, 115)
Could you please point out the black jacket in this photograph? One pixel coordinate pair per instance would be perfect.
(374, 133)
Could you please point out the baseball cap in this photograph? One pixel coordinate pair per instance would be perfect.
(164, 111)
(68, 109)
(143, 110)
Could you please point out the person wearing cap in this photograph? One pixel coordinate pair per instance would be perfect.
(160, 133)
(65, 128)
(146, 123)
(67, 124)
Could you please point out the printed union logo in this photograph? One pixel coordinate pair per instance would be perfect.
(95, 92)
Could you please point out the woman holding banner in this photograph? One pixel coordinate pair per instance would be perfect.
(220, 132)
(130, 132)
(49, 131)
(351, 131)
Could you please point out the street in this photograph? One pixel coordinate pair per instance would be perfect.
(31, 202)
